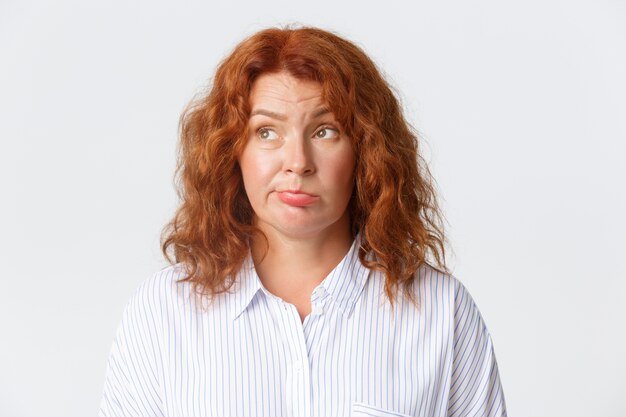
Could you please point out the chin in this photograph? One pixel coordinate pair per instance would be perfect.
(299, 231)
(307, 228)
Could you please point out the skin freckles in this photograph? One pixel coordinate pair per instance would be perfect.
(297, 166)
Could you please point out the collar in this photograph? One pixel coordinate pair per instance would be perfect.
(344, 283)
(245, 288)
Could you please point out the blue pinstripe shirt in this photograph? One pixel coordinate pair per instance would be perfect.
(249, 354)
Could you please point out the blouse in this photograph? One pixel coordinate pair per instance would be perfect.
(248, 353)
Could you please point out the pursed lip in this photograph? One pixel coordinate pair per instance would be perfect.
(296, 192)
(297, 198)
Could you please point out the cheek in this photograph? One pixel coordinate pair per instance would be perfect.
(341, 172)
(256, 169)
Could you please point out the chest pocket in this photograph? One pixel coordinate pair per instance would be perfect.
(364, 410)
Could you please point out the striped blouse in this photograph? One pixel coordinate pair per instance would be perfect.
(249, 354)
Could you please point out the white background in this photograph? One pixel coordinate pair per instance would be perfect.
(521, 106)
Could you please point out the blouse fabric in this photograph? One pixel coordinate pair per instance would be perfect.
(248, 353)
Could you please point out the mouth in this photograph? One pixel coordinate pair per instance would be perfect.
(297, 198)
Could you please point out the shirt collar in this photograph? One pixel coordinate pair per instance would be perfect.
(245, 287)
(347, 280)
(344, 283)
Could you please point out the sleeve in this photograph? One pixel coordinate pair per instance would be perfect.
(475, 388)
(131, 386)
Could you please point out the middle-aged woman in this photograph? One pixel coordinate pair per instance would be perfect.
(308, 276)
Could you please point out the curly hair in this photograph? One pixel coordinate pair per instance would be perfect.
(393, 205)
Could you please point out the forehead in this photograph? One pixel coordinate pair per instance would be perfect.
(282, 89)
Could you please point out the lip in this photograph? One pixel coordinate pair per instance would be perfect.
(297, 198)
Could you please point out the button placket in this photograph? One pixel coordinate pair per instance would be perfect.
(301, 378)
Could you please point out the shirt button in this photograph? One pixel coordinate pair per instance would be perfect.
(317, 310)
(297, 366)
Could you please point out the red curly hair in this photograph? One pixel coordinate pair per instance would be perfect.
(393, 205)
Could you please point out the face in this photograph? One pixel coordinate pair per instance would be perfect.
(297, 165)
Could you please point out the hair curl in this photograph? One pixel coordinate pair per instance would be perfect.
(394, 203)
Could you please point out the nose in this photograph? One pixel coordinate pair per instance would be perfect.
(298, 158)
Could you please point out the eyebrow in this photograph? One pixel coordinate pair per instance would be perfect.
(321, 111)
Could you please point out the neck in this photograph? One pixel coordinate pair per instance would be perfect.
(291, 267)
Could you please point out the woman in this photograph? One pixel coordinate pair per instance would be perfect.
(308, 274)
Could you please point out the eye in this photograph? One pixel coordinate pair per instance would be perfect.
(267, 134)
(327, 133)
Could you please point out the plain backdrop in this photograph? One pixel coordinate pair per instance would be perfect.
(521, 109)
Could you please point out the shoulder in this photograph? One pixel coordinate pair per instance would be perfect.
(443, 292)
(160, 290)
(430, 283)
